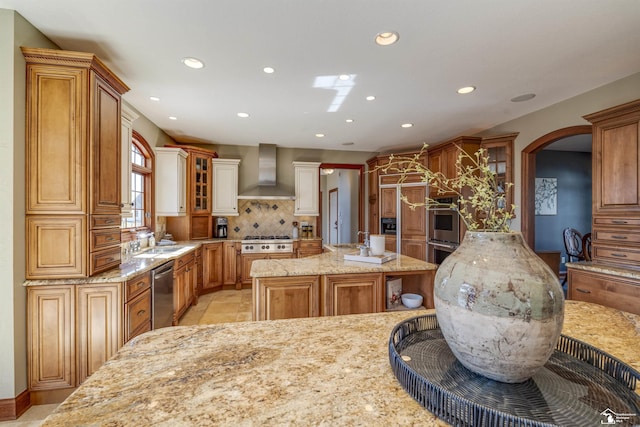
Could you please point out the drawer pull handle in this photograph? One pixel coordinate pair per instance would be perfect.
(618, 221)
(110, 238)
(619, 237)
(108, 221)
(140, 283)
(141, 312)
(109, 259)
(619, 255)
(584, 291)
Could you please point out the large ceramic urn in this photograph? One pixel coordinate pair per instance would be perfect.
(499, 306)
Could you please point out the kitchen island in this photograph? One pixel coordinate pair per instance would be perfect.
(327, 284)
(330, 371)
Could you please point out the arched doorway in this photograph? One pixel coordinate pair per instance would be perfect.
(529, 175)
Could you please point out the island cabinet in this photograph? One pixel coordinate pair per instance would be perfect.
(73, 329)
(73, 149)
(352, 294)
(286, 297)
(604, 289)
(247, 260)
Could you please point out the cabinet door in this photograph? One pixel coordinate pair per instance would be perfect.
(230, 260)
(247, 259)
(374, 202)
(307, 188)
(179, 293)
(56, 143)
(286, 297)
(414, 248)
(56, 246)
(414, 221)
(99, 314)
(352, 294)
(104, 154)
(225, 190)
(126, 138)
(51, 337)
(390, 243)
(170, 176)
(200, 184)
(388, 202)
(137, 315)
(212, 267)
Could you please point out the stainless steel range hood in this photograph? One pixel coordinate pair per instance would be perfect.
(267, 188)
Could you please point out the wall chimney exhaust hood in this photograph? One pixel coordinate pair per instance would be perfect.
(267, 188)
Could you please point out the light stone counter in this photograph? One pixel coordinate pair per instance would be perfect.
(327, 371)
(332, 262)
(627, 273)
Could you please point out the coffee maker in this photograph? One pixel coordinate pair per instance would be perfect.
(221, 226)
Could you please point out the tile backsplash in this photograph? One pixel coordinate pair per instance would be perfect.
(265, 217)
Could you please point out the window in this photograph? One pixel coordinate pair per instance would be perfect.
(141, 185)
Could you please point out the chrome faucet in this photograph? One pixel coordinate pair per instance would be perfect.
(366, 238)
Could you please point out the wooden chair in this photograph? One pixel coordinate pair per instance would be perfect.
(586, 246)
(573, 245)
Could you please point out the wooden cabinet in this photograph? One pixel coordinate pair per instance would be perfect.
(225, 187)
(307, 188)
(374, 195)
(309, 247)
(137, 306)
(73, 152)
(245, 271)
(443, 157)
(171, 182)
(388, 202)
(99, 326)
(616, 292)
(213, 275)
(500, 154)
(616, 185)
(413, 222)
(184, 281)
(231, 259)
(286, 297)
(126, 137)
(352, 294)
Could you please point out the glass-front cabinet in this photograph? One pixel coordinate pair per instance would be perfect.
(202, 184)
(500, 155)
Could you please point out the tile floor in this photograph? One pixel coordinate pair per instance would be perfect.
(217, 307)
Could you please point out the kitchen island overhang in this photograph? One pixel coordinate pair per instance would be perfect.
(331, 370)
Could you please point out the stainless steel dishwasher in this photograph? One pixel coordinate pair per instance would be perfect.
(162, 289)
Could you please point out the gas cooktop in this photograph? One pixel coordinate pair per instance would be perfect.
(272, 237)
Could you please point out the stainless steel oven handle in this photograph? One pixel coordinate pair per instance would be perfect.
(443, 245)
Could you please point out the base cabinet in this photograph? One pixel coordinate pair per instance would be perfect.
(616, 292)
(212, 267)
(352, 294)
(286, 298)
(231, 260)
(309, 247)
(184, 285)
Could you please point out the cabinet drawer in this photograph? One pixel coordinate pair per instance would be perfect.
(104, 221)
(616, 254)
(101, 239)
(138, 315)
(616, 221)
(616, 235)
(606, 290)
(137, 285)
(185, 259)
(104, 260)
(310, 244)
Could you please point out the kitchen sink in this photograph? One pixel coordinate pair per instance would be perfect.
(163, 251)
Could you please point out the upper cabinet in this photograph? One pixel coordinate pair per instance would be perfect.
(73, 167)
(225, 187)
(500, 154)
(443, 157)
(127, 119)
(171, 188)
(307, 188)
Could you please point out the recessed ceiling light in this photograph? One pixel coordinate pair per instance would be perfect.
(269, 70)
(154, 98)
(193, 63)
(320, 135)
(347, 143)
(243, 115)
(406, 125)
(349, 120)
(370, 98)
(344, 76)
(387, 38)
(466, 89)
(524, 97)
(173, 118)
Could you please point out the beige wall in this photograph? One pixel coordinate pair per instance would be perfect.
(563, 114)
(15, 31)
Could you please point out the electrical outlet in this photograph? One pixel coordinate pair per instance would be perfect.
(563, 260)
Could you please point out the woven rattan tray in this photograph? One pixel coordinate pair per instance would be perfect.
(579, 385)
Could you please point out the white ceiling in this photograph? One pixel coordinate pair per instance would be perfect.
(506, 48)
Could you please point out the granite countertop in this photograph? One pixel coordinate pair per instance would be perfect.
(333, 262)
(605, 269)
(318, 371)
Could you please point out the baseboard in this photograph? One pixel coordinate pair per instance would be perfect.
(11, 409)
(45, 397)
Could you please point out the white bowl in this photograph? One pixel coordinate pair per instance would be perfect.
(411, 300)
